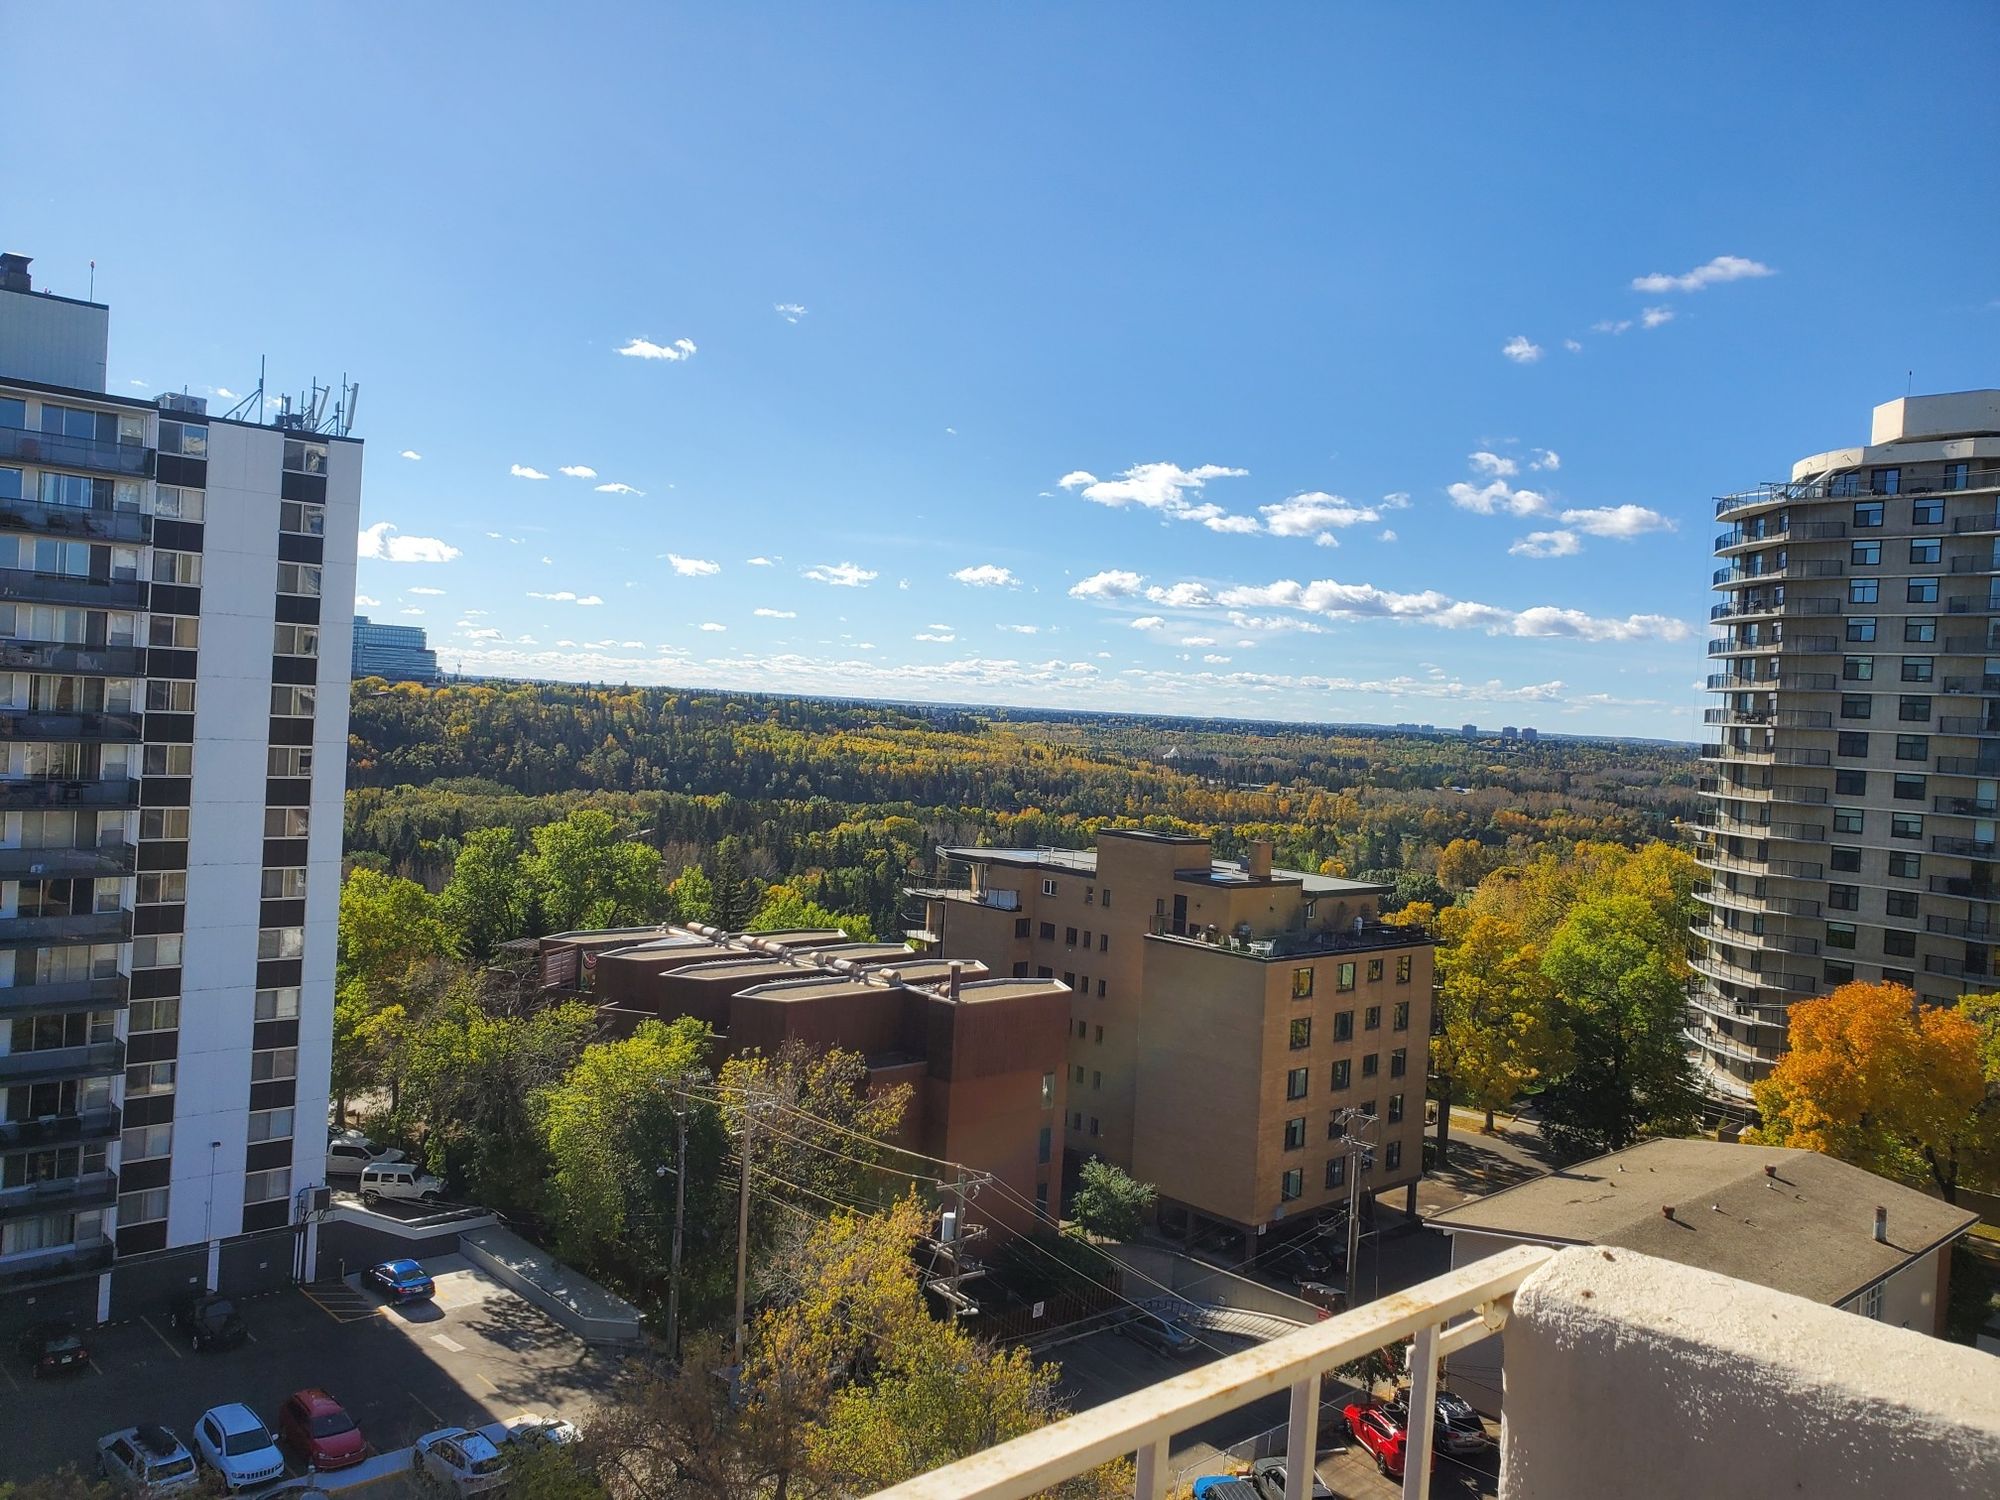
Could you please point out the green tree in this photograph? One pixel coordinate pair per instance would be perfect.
(693, 896)
(583, 872)
(1110, 1202)
(736, 897)
(485, 903)
(786, 910)
(387, 925)
(1617, 967)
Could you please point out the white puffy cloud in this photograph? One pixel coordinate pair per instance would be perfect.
(776, 614)
(713, 628)
(940, 636)
(1214, 660)
(1112, 583)
(987, 576)
(412, 455)
(1147, 622)
(1547, 544)
(564, 596)
(1184, 595)
(1622, 522)
(1497, 497)
(1388, 535)
(1653, 317)
(579, 471)
(379, 543)
(1197, 640)
(1521, 350)
(362, 601)
(843, 575)
(1573, 346)
(646, 349)
(1158, 486)
(791, 312)
(1611, 325)
(411, 609)
(1544, 458)
(1021, 629)
(525, 471)
(758, 562)
(1714, 273)
(1493, 465)
(424, 591)
(1076, 479)
(617, 488)
(1316, 514)
(693, 567)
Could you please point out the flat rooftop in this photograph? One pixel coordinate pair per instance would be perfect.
(1807, 1228)
(1219, 872)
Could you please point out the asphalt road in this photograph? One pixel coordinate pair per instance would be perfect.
(478, 1354)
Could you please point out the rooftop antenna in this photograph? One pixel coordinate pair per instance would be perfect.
(1909, 381)
(93, 281)
(251, 407)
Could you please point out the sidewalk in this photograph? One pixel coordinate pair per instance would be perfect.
(1482, 1164)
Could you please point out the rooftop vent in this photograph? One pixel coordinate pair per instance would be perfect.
(14, 275)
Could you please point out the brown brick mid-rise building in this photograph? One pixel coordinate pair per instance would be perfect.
(1224, 1017)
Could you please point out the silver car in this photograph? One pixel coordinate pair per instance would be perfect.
(147, 1461)
(462, 1462)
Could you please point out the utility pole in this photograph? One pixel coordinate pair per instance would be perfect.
(680, 1213)
(743, 1229)
(1358, 1151)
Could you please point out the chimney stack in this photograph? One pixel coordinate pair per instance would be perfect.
(14, 275)
(953, 990)
(1258, 863)
(1881, 1225)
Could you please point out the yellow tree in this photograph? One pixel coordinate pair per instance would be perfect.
(1496, 1030)
(1879, 1080)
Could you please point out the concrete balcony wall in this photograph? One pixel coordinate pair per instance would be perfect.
(1629, 1376)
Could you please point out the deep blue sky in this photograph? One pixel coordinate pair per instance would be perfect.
(1038, 242)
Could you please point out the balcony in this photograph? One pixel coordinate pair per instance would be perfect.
(1975, 565)
(1736, 536)
(69, 659)
(987, 896)
(65, 931)
(1973, 687)
(1757, 499)
(1724, 972)
(1971, 726)
(120, 791)
(1789, 609)
(30, 587)
(1742, 1012)
(1966, 807)
(1972, 604)
(1718, 1082)
(54, 451)
(1970, 645)
(19, 1272)
(91, 1190)
(1782, 718)
(1762, 942)
(1967, 765)
(62, 1130)
(1964, 887)
(1971, 929)
(113, 858)
(1977, 525)
(1956, 968)
(80, 522)
(109, 992)
(92, 1059)
(1789, 906)
(115, 728)
(1722, 1046)
(1792, 791)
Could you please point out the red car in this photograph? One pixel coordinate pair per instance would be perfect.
(1382, 1435)
(319, 1432)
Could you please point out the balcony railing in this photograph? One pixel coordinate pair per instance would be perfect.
(1969, 725)
(1740, 1011)
(1944, 843)
(1964, 887)
(1716, 1042)
(87, 523)
(1728, 973)
(34, 725)
(1973, 687)
(1967, 765)
(1790, 906)
(67, 930)
(62, 1130)
(54, 450)
(1975, 565)
(90, 1190)
(120, 791)
(1979, 524)
(112, 858)
(1954, 968)
(1970, 645)
(63, 657)
(1972, 929)
(61, 1263)
(1966, 807)
(90, 1060)
(1972, 604)
(106, 993)
(62, 588)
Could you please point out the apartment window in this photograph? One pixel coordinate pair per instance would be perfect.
(1905, 977)
(1295, 1134)
(1044, 1146)
(270, 1124)
(1069, 937)
(1403, 969)
(1914, 708)
(1865, 554)
(142, 1208)
(160, 951)
(1950, 477)
(1297, 1081)
(1917, 668)
(295, 640)
(1871, 1302)
(1093, 1125)
(1343, 1074)
(1835, 972)
(1864, 590)
(1399, 1018)
(1291, 1185)
(278, 942)
(1302, 1033)
(1844, 485)
(1392, 1155)
(1336, 1171)
(1080, 1028)
(1884, 481)
(189, 439)
(274, 1063)
(301, 519)
(283, 823)
(1921, 591)
(1076, 1119)
(1042, 1199)
(1906, 826)
(163, 823)
(1046, 932)
(1048, 1091)
(1399, 1062)
(1104, 942)
(169, 696)
(146, 1143)
(1371, 1018)
(1021, 969)
(1302, 984)
(179, 632)
(168, 760)
(154, 1015)
(1100, 989)
(1900, 903)
(1106, 893)
(1847, 861)
(281, 1004)
(1861, 627)
(1848, 820)
(176, 567)
(1076, 1075)
(1311, 907)
(1899, 944)
(1913, 747)
(162, 888)
(1909, 787)
(1048, 887)
(265, 1187)
(1395, 1108)
(1840, 934)
(1343, 1026)
(1371, 1064)
(1903, 866)
(1920, 630)
(1069, 979)
(1022, 927)
(289, 701)
(302, 457)
(1856, 705)
(1843, 897)
(1851, 783)
(1099, 1038)
(1868, 515)
(1096, 1078)
(1857, 669)
(1344, 979)
(299, 578)
(1043, 971)
(1926, 550)
(142, 1079)
(1374, 970)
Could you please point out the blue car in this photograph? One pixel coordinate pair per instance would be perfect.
(400, 1281)
(1226, 1487)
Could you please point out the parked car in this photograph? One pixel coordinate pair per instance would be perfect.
(148, 1461)
(1382, 1434)
(532, 1431)
(1458, 1428)
(400, 1180)
(317, 1430)
(400, 1281)
(1159, 1334)
(349, 1152)
(1326, 1297)
(465, 1463)
(53, 1348)
(207, 1321)
(1269, 1475)
(233, 1441)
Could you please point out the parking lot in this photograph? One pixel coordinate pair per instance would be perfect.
(477, 1354)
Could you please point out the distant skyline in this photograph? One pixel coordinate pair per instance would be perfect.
(1331, 364)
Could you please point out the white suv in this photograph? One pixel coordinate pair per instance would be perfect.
(402, 1180)
(233, 1441)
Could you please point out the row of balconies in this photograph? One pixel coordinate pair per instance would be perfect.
(1789, 756)
(89, 1060)
(1785, 869)
(57, 451)
(87, 1190)
(1743, 1012)
(1786, 531)
(116, 791)
(1737, 575)
(1724, 972)
(1790, 906)
(62, 1130)
(109, 857)
(1745, 609)
(85, 523)
(106, 992)
(29, 587)
(1769, 718)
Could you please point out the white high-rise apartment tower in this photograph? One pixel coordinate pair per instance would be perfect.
(1854, 784)
(175, 596)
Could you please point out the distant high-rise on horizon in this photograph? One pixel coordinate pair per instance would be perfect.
(396, 653)
(1853, 789)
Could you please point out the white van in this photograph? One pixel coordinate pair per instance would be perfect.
(402, 1180)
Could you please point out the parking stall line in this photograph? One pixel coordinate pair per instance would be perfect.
(427, 1408)
(12, 1384)
(171, 1347)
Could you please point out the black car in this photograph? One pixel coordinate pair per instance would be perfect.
(1458, 1428)
(53, 1348)
(207, 1321)
(1269, 1476)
